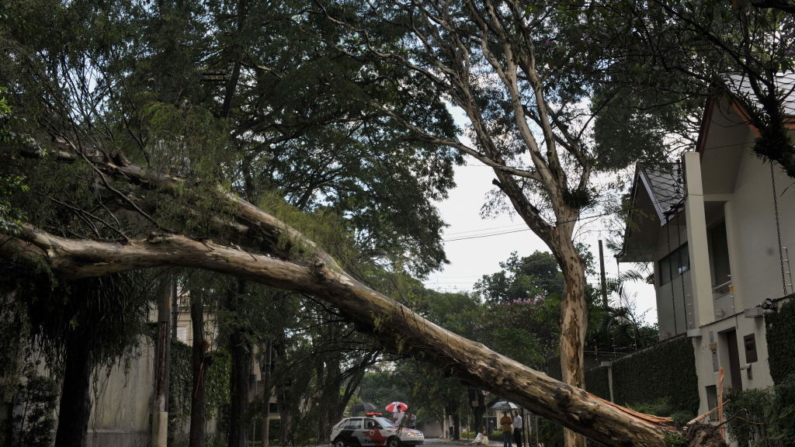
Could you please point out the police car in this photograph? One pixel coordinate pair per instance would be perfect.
(373, 431)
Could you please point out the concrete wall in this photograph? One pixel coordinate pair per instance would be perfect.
(759, 376)
(755, 265)
(758, 272)
(121, 403)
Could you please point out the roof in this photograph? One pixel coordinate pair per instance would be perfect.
(785, 84)
(665, 188)
(656, 192)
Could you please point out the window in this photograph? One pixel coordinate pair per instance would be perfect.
(719, 250)
(354, 424)
(750, 348)
(674, 265)
(712, 401)
(182, 333)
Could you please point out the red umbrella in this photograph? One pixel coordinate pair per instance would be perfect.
(395, 405)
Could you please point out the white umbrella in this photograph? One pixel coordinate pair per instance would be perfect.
(503, 405)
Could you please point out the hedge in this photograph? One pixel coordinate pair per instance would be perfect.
(665, 371)
(553, 368)
(781, 341)
(597, 381)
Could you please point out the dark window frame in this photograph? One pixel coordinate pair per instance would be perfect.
(682, 265)
(749, 343)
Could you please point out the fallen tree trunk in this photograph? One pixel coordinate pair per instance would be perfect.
(396, 326)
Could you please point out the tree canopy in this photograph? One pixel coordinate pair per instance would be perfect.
(217, 136)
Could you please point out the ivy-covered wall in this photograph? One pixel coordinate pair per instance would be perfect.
(665, 371)
(781, 341)
(597, 381)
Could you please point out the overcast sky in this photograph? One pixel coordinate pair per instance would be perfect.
(475, 246)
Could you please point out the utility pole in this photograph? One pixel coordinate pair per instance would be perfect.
(602, 270)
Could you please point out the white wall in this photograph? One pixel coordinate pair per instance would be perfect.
(759, 272)
(121, 403)
(755, 267)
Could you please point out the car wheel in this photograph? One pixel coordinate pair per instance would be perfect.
(339, 443)
(392, 442)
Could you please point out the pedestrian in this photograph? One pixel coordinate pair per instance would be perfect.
(397, 416)
(505, 425)
(517, 429)
(412, 423)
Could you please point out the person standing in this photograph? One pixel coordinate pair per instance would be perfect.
(505, 425)
(412, 418)
(517, 429)
(397, 416)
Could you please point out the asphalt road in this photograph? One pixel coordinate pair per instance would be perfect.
(441, 442)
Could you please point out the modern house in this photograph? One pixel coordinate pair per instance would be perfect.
(717, 227)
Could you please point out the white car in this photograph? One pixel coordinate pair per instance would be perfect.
(373, 431)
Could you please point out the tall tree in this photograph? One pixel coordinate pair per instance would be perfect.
(522, 77)
(227, 91)
(175, 132)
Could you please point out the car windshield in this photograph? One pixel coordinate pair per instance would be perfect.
(386, 423)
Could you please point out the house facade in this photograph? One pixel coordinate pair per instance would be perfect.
(717, 227)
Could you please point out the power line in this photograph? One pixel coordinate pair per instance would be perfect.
(478, 236)
(499, 233)
(459, 233)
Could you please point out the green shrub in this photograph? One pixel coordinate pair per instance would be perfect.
(780, 337)
(662, 407)
(763, 418)
(550, 433)
(782, 415)
(33, 425)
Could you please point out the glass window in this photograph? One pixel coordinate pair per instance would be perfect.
(385, 422)
(674, 260)
(684, 259)
(354, 424)
(712, 401)
(675, 264)
(719, 250)
(665, 271)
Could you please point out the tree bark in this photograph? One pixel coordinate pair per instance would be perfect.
(284, 396)
(394, 325)
(477, 402)
(199, 352)
(75, 406)
(241, 367)
(573, 327)
(159, 433)
(266, 369)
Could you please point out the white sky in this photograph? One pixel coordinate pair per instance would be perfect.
(472, 258)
